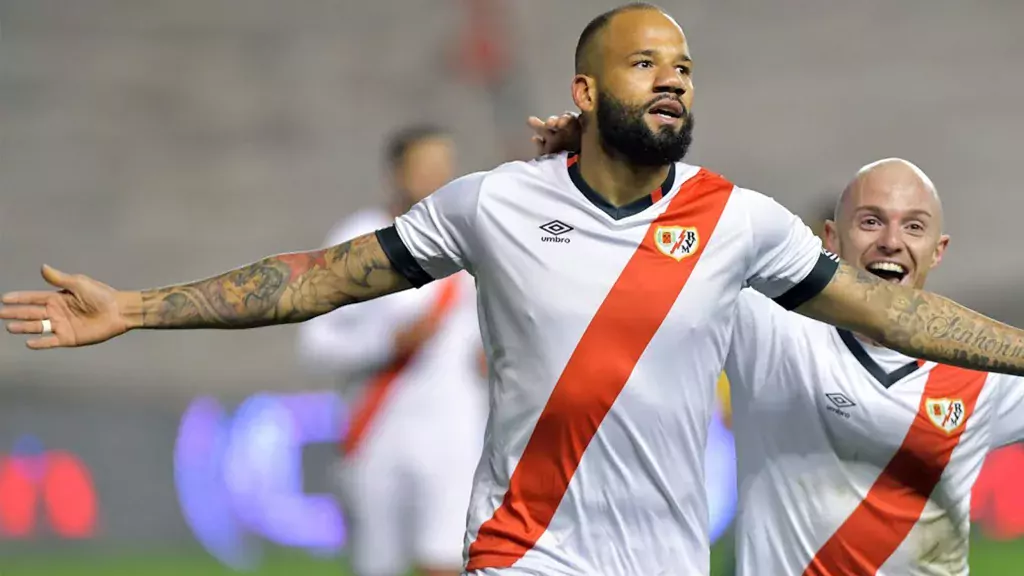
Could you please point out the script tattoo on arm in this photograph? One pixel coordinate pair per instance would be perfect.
(917, 323)
(278, 289)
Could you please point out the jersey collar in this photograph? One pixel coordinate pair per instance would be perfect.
(617, 212)
(886, 379)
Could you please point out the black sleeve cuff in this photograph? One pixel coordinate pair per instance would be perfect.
(822, 273)
(401, 259)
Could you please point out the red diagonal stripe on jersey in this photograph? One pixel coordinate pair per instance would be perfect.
(893, 505)
(596, 372)
(378, 388)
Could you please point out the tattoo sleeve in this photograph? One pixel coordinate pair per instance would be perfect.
(279, 289)
(917, 323)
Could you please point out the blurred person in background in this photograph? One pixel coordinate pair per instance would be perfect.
(853, 458)
(607, 284)
(413, 381)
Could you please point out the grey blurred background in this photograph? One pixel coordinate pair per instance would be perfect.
(151, 142)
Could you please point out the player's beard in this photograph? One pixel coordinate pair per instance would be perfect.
(624, 133)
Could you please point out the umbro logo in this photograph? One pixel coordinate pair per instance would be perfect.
(839, 404)
(555, 229)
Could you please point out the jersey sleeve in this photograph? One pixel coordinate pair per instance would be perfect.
(437, 236)
(1008, 426)
(789, 264)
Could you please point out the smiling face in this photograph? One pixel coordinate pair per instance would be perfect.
(889, 222)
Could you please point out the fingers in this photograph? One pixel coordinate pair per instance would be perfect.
(564, 121)
(22, 312)
(556, 133)
(57, 278)
(43, 343)
(31, 298)
(25, 327)
(552, 124)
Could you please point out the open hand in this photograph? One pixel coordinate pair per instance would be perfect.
(81, 312)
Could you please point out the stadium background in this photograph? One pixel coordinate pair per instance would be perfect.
(146, 142)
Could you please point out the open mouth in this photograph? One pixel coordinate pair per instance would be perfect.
(667, 109)
(888, 271)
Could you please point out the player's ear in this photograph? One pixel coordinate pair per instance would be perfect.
(830, 237)
(940, 249)
(584, 92)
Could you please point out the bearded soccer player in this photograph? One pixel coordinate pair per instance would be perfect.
(604, 344)
(854, 458)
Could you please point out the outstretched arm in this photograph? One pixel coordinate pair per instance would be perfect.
(917, 323)
(276, 290)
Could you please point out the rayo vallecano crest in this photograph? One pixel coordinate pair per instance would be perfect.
(947, 414)
(676, 241)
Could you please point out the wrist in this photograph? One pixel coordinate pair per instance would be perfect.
(129, 305)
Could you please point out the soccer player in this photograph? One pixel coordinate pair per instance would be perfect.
(419, 405)
(854, 458)
(607, 283)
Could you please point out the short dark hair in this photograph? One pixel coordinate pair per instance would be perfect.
(586, 40)
(401, 141)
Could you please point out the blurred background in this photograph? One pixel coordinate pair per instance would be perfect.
(147, 142)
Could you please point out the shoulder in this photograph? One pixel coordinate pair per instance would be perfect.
(541, 171)
(505, 178)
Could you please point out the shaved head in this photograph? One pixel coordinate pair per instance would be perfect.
(634, 87)
(587, 61)
(888, 174)
(889, 222)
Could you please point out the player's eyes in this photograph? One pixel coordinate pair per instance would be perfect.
(916, 227)
(644, 64)
(871, 222)
(683, 70)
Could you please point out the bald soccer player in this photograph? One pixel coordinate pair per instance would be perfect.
(853, 458)
(607, 286)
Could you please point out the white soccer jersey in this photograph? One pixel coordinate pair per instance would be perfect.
(605, 330)
(855, 460)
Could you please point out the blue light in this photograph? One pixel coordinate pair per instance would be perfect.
(240, 478)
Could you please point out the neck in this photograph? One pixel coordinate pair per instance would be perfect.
(615, 178)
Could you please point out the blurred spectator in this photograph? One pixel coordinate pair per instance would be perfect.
(410, 362)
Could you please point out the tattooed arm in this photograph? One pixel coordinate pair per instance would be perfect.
(276, 290)
(917, 323)
(438, 239)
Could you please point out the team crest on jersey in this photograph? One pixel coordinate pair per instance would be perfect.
(676, 241)
(947, 414)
